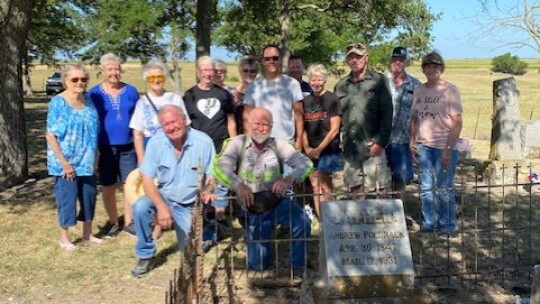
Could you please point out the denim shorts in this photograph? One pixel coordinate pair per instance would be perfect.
(67, 192)
(328, 163)
(400, 162)
(115, 163)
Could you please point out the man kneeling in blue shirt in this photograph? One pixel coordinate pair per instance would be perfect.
(172, 157)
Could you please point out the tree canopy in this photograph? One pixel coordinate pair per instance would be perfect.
(319, 30)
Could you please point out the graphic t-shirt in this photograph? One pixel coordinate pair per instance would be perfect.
(433, 108)
(317, 113)
(208, 110)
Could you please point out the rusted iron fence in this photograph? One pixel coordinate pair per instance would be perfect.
(496, 242)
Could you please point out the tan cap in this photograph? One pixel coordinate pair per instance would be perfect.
(356, 48)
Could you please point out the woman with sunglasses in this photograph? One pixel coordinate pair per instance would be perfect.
(115, 102)
(248, 67)
(72, 131)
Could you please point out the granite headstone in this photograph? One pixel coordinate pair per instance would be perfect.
(366, 249)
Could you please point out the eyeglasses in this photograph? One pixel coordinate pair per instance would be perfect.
(220, 71)
(271, 58)
(356, 46)
(249, 71)
(155, 78)
(77, 79)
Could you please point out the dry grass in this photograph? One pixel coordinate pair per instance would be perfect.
(35, 270)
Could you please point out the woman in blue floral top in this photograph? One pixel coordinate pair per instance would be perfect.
(72, 131)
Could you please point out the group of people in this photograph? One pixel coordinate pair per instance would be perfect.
(256, 139)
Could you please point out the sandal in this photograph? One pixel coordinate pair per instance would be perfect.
(94, 240)
(67, 246)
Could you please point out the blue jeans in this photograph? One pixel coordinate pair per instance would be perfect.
(222, 202)
(437, 189)
(144, 212)
(400, 162)
(260, 227)
(83, 188)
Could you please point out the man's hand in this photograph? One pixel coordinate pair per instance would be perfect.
(281, 185)
(374, 149)
(164, 218)
(298, 145)
(414, 153)
(245, 195)
(208, 196)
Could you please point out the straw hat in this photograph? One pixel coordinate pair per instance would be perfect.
(133, 188)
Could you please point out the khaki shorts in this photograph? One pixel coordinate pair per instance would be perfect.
(374, 174)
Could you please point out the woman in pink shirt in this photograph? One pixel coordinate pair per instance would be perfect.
(435, 127)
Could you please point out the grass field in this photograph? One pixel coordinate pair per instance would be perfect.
(34, 270)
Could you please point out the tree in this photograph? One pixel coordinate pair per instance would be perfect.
(14, 26)
(507, 23)
(508, 64)
(320, 30)
(55, 27)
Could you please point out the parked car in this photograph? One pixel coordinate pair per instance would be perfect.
(54, 84)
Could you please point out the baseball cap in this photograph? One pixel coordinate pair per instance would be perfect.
(432, 60)
(356, 48)
(400, 52)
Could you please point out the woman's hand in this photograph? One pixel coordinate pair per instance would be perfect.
(69, 172)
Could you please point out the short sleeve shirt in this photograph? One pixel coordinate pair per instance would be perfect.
(277, 96)
(317, 113)
(402, 98)
(114, 114)
(209, 110)
(433, 108)
(76, 132)
(178, 178)
(145, 117)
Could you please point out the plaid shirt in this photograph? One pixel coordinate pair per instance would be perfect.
(402, 98)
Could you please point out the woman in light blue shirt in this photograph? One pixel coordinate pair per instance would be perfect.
(72, 131)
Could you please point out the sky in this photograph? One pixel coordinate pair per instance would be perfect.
(450, 34)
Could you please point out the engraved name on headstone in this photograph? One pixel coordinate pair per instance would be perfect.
(367, 252)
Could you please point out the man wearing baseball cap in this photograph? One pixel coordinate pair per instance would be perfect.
(366, 105)
(401, 86)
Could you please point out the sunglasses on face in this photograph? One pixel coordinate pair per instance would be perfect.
(155, 78)
(77, 79)
(250, 71)
(271, 58)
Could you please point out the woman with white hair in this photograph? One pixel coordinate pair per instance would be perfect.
(145, 122)
(322, 120)
(115, 102)
(72, 131)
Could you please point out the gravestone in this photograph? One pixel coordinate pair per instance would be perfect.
(506, 128)
(366, 249)
(530, 138)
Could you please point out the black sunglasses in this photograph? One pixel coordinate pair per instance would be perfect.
(249, 71)
(271, 58)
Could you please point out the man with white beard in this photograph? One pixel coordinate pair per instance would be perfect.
(252, 166)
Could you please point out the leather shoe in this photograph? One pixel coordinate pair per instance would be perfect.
(143, 267)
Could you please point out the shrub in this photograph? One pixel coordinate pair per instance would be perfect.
(509, 64)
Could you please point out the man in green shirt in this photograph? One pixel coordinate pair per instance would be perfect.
(366, 105)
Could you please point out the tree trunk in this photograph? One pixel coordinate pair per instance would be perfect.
(14, 25)
(176, 70)
(27, 80)
(284, 21)
(205, 17)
